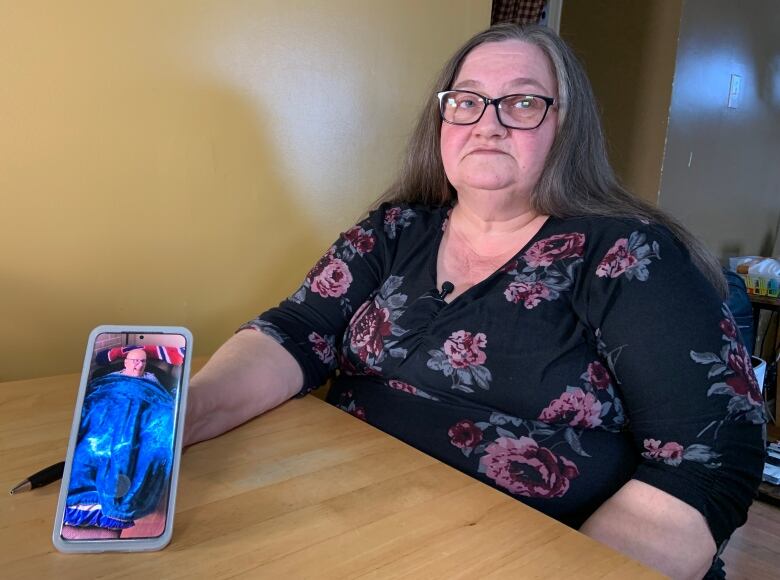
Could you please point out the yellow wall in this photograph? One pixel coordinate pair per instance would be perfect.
(184, 162)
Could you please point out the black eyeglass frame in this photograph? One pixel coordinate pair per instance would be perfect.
(487, 101)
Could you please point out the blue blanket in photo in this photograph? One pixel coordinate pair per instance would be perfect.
(124, 453)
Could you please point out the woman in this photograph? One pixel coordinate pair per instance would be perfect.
(513, 312)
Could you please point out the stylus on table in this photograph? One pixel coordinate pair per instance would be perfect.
(43, 477)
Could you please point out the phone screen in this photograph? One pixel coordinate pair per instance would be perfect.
(122, 462)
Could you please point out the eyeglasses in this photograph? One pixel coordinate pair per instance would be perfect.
(513, 111)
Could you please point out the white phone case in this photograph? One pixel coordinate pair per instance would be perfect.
(107, 457)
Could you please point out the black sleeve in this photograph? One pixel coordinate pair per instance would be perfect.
(310, 323)
(692, 401)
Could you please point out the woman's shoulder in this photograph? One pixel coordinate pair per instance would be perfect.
(395, 219)
(394, 209)
(604, 232)
(629, 251)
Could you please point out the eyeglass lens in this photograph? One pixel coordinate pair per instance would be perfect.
(518, 111)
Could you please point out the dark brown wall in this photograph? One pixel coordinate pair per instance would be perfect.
(628, 49)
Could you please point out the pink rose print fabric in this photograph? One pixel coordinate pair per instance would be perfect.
(465, 434)
(373, 331)
(324, 347)
(670, 453)
(530, 294)
(515, 457)
(545, 270)
(358, 241)
(731, 378)
(598, 376)
(629, 257)
(464, 349)
(462, 358)
(731, 375)
(524, 468)
(331, 277)
(510, 452)
(593, 404)
(397, 218)
(673, 454)
(742, 379)
(559, 247)
(576, 408)
(370, 326)
(411, 389)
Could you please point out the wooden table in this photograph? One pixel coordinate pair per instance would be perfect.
(306, 491)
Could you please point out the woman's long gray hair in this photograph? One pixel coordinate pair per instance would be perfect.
(577, 179)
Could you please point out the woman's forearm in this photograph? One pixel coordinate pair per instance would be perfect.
(655, 528)
(247, 376)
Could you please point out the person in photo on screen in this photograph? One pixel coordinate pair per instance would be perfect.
(124, 452)
(135, 366)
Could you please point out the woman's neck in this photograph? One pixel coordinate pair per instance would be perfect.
(490, 233)
(474, 247)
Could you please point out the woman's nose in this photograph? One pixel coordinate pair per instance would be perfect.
(489, 125)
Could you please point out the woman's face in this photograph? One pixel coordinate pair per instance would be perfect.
(488, 157)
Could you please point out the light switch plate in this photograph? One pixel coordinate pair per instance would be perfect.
(735, 91)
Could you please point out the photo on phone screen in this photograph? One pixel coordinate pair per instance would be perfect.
(123, 456)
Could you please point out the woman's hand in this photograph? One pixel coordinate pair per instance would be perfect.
(655, 528)
(248, 375)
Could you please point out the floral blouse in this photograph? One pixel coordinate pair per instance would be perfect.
(597, 354)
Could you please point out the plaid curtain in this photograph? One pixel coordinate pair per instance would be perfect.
(517, 11)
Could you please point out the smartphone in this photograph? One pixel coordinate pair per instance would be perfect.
(118, 489)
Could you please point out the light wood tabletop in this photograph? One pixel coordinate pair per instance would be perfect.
(305, 491)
